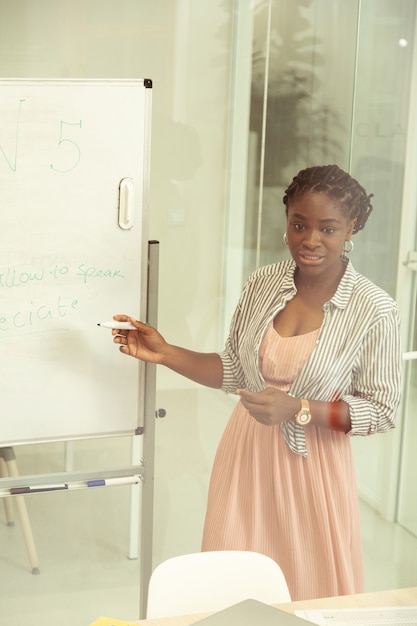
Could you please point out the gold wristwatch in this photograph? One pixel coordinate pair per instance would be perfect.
(303, 416)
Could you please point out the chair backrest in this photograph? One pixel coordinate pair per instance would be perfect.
(211, 581)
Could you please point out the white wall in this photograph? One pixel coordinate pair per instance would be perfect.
(184, 47)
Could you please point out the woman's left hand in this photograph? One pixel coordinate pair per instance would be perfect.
(269, 406)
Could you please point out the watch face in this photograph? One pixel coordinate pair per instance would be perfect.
(303, 417)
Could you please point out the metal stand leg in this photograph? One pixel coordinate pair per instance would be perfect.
(147, 505)
(8, 506)
(9, 467)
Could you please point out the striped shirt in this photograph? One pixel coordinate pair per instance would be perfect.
(357, 357)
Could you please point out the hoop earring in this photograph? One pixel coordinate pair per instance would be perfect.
(351, 246)
(285, 238)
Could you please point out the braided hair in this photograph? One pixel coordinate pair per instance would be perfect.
(338, 185)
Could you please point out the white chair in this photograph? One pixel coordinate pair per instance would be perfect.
(211, 581)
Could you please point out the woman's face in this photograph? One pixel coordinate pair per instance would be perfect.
(317, 229)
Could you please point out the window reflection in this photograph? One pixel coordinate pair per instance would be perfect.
(337, 91)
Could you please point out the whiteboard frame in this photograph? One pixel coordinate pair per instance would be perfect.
(137, 424)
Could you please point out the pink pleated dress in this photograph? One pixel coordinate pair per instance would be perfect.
(301, 511)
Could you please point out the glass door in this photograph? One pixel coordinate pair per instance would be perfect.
(407, 502)
(309, 106)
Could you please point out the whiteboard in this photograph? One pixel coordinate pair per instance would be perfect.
(65, 261)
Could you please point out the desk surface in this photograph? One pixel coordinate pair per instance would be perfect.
(394, 597)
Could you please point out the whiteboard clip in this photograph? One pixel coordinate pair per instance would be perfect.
(126, 203)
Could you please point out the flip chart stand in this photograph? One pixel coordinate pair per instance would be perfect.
(8, 468)
(147, 515)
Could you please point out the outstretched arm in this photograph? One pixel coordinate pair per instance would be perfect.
(147, 344)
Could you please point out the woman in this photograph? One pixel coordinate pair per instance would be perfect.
(314, 354)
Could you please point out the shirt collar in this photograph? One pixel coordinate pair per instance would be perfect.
(345, 288)
(289, 282)
(343, 293)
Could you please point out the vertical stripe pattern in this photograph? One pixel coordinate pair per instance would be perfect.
(357, 357)
(302, 512)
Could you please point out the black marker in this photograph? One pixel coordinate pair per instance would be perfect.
(16, 491)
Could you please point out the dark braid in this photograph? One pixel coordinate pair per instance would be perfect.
(338, 185)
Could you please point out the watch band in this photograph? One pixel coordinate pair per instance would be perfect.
(303, 416)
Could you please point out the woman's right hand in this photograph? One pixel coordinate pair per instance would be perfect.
(144, 343)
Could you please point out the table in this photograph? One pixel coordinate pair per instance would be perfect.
(393, 597)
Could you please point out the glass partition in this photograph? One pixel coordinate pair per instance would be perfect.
(318, 107)
(304, 116)
(330, 83)
(407, 505)
(379, 148)
(379, 133)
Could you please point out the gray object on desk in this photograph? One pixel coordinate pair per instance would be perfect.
(252, 613)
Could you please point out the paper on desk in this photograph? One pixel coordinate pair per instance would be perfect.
(381, 616)
(107, 621)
